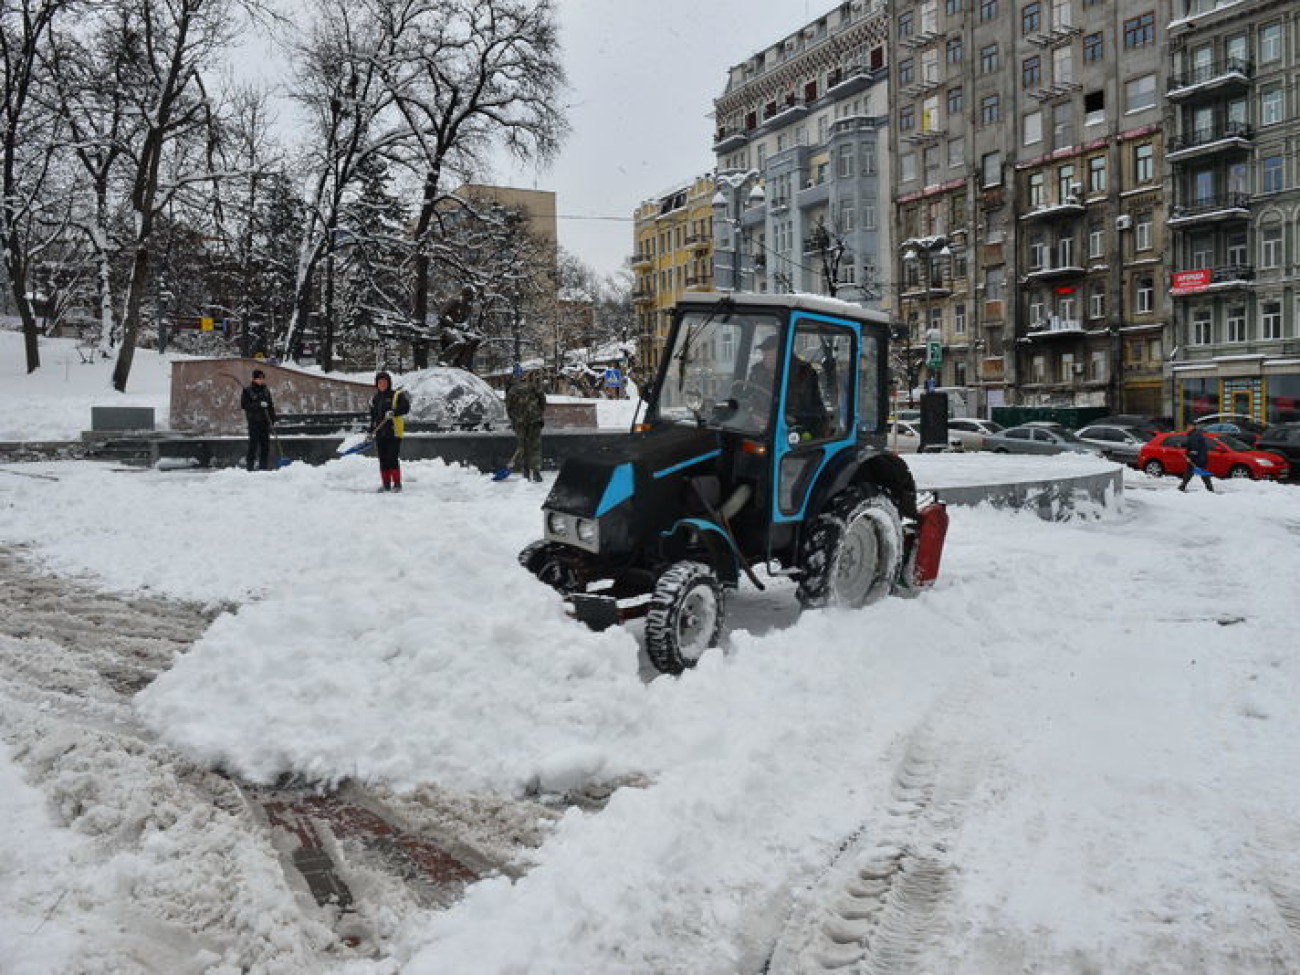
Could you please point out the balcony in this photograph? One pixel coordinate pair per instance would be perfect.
(698, 242)
(703, 282)
(643, 296)
(1053, 272)
(849, 81)
(1229, 74)
(642, 259)
(918, 292)
(1226, 137)
(1213, 209)
(728, 140)
(1228, 277)
(1054, 325)
(1071, 207)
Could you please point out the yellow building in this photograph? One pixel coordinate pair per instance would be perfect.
(672, 253)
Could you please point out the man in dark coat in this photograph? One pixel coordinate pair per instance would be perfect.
(804, 408)
(388, 409)
(259, 410)
(526, 408)
(1198, 459)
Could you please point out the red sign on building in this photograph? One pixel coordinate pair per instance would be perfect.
(1190, 282)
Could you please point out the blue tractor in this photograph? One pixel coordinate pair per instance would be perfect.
(761, 452)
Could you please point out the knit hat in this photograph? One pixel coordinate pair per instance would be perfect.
(258, 374)
(384, 375)
(519, 372)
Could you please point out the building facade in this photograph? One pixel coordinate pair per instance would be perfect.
(1233, 111)
(1030, 199)
(802, 201)
(673, 253)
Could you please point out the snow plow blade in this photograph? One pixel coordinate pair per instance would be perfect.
(932, 529)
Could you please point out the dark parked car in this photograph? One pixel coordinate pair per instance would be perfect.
(1120, 444)
(1282, 439)
(1136, 421)
(1166, 453)
(1242, 427)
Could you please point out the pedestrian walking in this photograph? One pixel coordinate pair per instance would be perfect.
(259, 410)
(526, 410)
(1198, 459)
(388, 409)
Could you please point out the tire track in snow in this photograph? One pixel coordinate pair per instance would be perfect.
(876, 907)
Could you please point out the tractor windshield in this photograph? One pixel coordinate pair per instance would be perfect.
(721, 371)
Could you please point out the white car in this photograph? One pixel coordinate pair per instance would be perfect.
(971, 431)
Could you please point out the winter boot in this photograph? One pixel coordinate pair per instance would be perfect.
(536, 476)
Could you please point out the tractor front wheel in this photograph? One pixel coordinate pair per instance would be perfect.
(851, 555)
(685, 617)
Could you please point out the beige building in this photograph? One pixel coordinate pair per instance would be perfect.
(672, 253)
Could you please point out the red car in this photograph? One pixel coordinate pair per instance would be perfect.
(1166, 453)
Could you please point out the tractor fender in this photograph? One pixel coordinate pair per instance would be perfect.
(727, 559)
(887, 471)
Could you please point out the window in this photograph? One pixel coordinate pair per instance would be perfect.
(1237, 248)
(1062, 66)
(906, 24)
(1270, 106)
(1140, 31)
(989, 109)
(1236, 324)
(1037, 189)
(1063, 125)
(991, 169)
(1065, 255)
(907, 165)
(1094, 47)
(1067, 185)
(1270, 320)
(989, 60)
(1037, 374)
(1202, 327)
(1145, 295)
(954, 101)
(959, 319)
(1067, 375)
(1096, 174)
(907, 118)
(845, 168)
(1097, 302)
(1270, 43)
(954, 50)
(1142, 232)
(1270, 245)
(1140, 93)
(1031, 17)
(957, 152)
(907, 71)
(1096, 242)
(1031, 71)
(993, 278)
(1062, 13)
(989, 9)
(1097, 366)
(1033, 128)
(1143, 163)
(953, 7)
(1094, 107)
(930, 158)
(1270, 168)
(1038, 255)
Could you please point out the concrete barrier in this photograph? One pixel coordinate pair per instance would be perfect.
(108, 418)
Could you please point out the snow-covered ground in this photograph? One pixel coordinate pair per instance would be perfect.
(1076, 753)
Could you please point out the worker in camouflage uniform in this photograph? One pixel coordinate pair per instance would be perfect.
(526, 408)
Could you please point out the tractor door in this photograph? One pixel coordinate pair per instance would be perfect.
(818, 414)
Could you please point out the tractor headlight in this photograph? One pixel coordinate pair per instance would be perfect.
(557, 524)
(586, 530)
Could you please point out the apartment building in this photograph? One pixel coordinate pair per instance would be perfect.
(1233, 113)
(673, 253)
(802, 199)
(1030, 200)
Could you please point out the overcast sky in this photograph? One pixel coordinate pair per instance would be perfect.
(643, 75)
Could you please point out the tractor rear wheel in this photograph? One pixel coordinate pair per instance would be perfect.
(685, 617)
(851, 555)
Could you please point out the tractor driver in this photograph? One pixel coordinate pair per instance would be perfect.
(804, 409)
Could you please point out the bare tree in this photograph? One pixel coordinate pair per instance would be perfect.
(473, 74)
(26, 138)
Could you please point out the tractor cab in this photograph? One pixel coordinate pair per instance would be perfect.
(761, 452)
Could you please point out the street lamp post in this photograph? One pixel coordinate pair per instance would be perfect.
(921, 255)
(735, 184)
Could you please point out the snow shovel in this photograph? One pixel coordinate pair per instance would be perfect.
(367, 441)
(281, 460)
